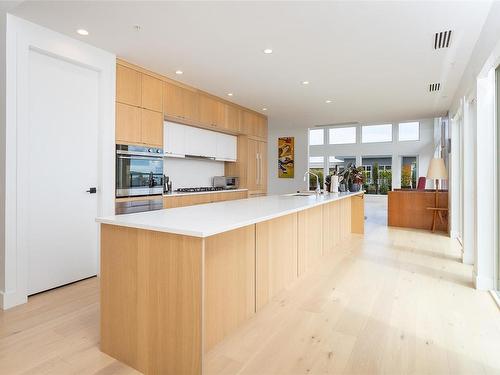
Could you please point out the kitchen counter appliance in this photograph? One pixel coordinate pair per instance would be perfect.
(226, 182)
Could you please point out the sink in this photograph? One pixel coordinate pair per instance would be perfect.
(302, 194)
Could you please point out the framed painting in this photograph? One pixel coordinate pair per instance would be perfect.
(286, 157)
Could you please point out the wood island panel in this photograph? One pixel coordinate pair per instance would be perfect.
(358, 214)
(309, 238)
(229, 283)
(151, 300)
(275, 257)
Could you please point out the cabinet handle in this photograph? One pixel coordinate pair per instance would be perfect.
(257, 169)
(260, 169)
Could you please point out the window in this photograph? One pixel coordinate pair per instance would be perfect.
(409, 172)
(376, 133)
(316, 166)
(378, 174)
(342, 136)
(340, 162)
(409, 131)
(316, 137)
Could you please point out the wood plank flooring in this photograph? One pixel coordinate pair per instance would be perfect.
(394, 302)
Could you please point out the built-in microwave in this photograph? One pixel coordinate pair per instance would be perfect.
(226, 182)
(139, 171)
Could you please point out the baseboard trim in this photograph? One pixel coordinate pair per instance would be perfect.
(11, 299)
(496, 298)
(483, 283)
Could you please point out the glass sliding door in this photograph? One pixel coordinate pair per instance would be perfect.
(378, 174)
(498, 175)
(409, 172)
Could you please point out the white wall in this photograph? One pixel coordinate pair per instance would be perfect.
(475, 98)
(286, 185)
(192, 172)
(21, 37)
(3, 25)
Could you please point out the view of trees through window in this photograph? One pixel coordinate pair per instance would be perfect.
(409, 172)
(377, 174)
(316, 166)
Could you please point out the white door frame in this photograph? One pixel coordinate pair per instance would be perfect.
(455, 187)
(21, 37)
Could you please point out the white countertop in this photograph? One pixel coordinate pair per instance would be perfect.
(178, 193)
(212, 218)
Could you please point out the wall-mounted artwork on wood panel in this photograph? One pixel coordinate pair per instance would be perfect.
(286, 157)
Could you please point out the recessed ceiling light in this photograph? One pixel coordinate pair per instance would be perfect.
(179, 72)
(264, 109)
(268, 51)
(305, 82)
(82, 32)
(229, 94)
(328, 101)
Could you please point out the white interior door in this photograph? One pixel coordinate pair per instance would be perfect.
(61, 234)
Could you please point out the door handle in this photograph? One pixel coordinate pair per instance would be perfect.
(92, 190)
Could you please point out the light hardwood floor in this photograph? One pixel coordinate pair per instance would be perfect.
(395, 302)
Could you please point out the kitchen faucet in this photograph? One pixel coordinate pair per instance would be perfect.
(318, 189)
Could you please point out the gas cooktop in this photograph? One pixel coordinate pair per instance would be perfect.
(199, 189)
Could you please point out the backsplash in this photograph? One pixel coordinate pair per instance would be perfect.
(192, 172)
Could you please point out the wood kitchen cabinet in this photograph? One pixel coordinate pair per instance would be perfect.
(254, 124)
(128, 85)
(138, 89)
(151, 93)
(232, 118)
(251, 165)
(128, 124)
(140, 126)
(172, 201)
(257, 166)
(151, 127)
(212, 112)
(180, 102)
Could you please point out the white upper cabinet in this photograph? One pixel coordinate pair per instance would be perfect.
(226, 147)
(174, 139)
(201, 142)
(182, 140)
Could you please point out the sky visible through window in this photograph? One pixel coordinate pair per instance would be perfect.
(316, 137)
(341, 136)
(376, 133)
(409, 131)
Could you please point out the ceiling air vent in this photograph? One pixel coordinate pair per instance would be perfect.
(442, 39)
(434, 87)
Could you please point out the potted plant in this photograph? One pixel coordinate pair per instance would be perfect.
(356, 177)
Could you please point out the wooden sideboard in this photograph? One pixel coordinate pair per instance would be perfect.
(409, 209)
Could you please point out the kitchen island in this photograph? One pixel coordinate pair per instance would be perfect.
(175, 282)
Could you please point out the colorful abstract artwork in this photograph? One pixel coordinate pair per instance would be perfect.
(286, 156)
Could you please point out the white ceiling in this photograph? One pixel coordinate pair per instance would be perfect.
(375, 60)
